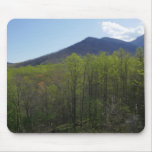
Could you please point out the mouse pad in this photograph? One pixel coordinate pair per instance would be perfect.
(75, 76)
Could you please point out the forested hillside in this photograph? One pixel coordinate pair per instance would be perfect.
(103, 93)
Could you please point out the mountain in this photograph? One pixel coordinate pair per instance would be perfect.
(139, 41)
(89, 45)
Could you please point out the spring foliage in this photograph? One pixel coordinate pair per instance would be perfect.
(102, 93)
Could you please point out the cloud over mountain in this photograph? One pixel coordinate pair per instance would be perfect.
(115, 30)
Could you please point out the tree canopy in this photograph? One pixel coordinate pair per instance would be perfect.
(103, 93)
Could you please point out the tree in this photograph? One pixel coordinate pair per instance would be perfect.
(73, 64)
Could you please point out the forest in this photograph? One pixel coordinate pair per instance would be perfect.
(83, 94)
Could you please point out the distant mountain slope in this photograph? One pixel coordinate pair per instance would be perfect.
(139, 41)
(89, 45)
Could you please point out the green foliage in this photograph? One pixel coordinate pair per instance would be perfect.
(102, 93)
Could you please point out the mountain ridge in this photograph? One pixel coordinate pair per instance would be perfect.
(89, 45)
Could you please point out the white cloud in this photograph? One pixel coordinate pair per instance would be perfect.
(118, 31)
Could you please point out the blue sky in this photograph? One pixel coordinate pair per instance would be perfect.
(31, 38)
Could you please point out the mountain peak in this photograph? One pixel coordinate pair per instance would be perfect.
(89, 45)
(90, 39)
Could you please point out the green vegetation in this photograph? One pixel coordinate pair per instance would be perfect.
(102, 93)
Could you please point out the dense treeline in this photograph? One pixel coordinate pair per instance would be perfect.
(102, 93)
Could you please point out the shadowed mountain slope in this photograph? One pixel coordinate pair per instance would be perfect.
(139, 41)
(89, 45)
